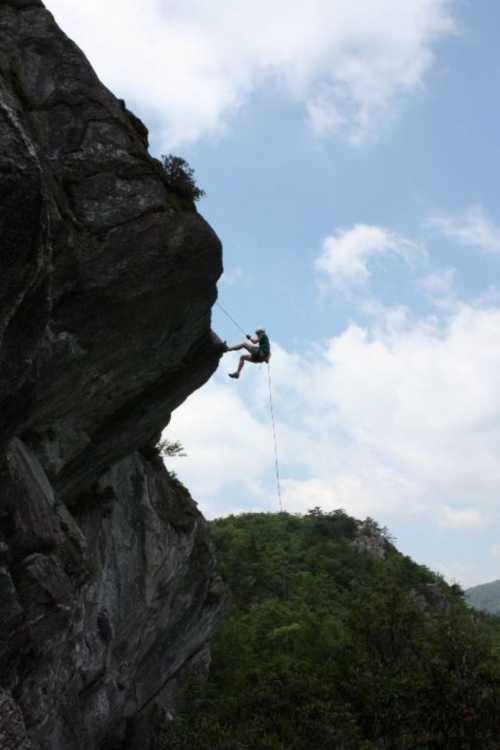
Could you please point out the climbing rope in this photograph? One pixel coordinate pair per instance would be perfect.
(230, 318)
(276, 455)
(271, 408)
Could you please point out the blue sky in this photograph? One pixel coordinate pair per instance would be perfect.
(350, 155)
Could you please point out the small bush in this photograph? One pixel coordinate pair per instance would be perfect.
(168, 448)
(180, 177)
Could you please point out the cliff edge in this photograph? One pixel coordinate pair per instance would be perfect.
(108, 590)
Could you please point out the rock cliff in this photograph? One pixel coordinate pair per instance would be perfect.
(108, 590)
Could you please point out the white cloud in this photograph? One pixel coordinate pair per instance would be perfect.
(495, 551)
(191, 65)
(462, 518)
(396, 421)
(232, 276)
(440, 286)
(348, 254)
(227, 446)
(324, 113)
(473, 229)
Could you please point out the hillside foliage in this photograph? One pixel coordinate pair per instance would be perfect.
(331, 645)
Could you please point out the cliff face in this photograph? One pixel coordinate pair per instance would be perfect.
(107, 585)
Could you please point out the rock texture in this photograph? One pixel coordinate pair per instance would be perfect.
(108, 590)
(371, 539)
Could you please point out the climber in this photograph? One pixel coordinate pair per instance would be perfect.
(259, 350)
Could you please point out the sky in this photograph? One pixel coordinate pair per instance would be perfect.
(350, 155)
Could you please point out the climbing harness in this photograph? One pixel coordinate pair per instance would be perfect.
(273, 421)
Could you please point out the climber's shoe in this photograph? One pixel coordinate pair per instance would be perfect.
(234, 375)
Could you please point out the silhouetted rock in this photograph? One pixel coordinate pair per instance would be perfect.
(108, 590)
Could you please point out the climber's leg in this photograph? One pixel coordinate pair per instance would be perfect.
(243, 359)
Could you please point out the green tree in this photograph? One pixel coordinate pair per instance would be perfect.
(180, 178)
(329, 646)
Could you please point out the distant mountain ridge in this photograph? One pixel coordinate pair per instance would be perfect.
(486, 597)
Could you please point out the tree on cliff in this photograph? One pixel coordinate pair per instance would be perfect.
(180, 177)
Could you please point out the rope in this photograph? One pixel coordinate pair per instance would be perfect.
(230, 318)
(276, 459)
(275, 438)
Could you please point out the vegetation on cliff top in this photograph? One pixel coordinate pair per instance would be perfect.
(336, 640)
(180, 178)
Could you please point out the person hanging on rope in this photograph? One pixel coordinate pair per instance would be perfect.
(259, 350)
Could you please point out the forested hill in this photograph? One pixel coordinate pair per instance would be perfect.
(486, 596)
(336, 640)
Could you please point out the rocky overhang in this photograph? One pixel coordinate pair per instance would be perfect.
(108, 587)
